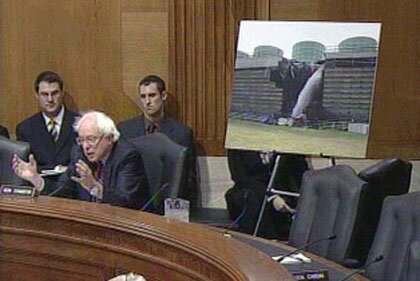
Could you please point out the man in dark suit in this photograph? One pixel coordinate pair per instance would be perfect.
(152, 93)
(4, 132)
(49, 132)
(251, 171)
(102, 168)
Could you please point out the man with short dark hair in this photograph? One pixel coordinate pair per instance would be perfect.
(49, 132)
(102, 167)
(152, 94)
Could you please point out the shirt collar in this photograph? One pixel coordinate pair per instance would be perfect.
(57, 119)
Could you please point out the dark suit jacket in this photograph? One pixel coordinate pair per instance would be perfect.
(124, 182)
(251, 178)
(47, 153)
(4, 132)
(180, 134)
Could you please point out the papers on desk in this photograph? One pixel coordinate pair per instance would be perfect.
(293, 259)
(58, 170)
(128, 277)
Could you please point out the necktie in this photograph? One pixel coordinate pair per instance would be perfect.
(52, 129)
(99, 175)
(151, 128)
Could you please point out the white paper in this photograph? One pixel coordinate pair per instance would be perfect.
(177, 208)
(293, 259)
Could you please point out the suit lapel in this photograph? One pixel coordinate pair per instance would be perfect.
(140, 125)
(44, 135)
(65, 130)
(167, 128)
(108, 173)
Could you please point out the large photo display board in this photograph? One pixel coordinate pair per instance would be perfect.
(303, 87)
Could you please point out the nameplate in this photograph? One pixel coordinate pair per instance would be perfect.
(311, 275)
(7, 189)
(177, 208)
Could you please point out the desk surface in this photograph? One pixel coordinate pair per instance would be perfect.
(275, 248)
(48, 238)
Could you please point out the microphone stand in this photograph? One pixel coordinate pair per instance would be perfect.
(330, 237)
(238, 217)
(154, 196)
(363, 268)
(269, 187)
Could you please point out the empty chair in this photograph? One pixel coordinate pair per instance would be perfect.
(397, 239)
(387, 177)
(164, 162)
(413, 271)
(328, 205)
(7, 149)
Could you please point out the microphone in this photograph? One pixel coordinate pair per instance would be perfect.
(57, 190)
(363, 268)
(61, 185)
(238, 217)
(330, 237)
(154, 196)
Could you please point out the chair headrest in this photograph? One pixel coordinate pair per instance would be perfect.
(9, 147)
(386, 168)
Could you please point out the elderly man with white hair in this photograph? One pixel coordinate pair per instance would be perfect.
(102, 168)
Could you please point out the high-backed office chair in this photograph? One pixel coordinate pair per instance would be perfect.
(397, 239)
(328, 205)
(414, 261)
(7, 149)
(164, 164)
(387, 177)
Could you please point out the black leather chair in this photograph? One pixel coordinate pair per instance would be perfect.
(7, 149)
(397, 239)
(328, 205)
(414, 261)
(164, 162)
(387, 177)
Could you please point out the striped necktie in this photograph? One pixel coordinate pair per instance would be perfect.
(52, 130)
(151, 128)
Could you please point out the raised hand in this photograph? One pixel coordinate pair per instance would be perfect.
(27, 170)
(86, 178)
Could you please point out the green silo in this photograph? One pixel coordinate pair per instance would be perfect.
(267, 51)
(308, 51)
(358, 44)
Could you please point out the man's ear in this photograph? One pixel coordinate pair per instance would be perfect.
(109, 139)
(164, 95)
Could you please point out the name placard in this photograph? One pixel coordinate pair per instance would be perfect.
(311, 275)
(177, 208)
(8, 189)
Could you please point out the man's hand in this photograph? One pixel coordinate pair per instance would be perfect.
(27, 171)
(86, 178)
(266, 156)
(279, 204)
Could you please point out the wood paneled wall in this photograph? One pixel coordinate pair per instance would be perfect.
(144, 42)
(202, 38)
(395, 129)
(100, 48)
(103, 47)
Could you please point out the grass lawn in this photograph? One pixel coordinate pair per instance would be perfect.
(259, 136)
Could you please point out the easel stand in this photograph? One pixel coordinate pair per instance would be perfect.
(270, 189)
